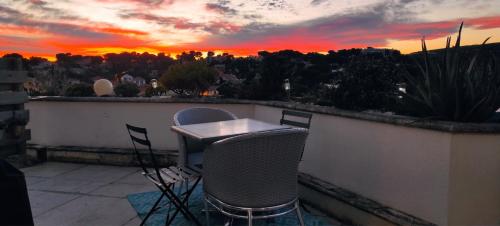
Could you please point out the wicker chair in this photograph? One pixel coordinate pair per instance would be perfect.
(191, 151)
(254, 173)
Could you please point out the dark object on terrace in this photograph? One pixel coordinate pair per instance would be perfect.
(13, 116)
(15, 204)
(165, 179)
(254, 173)
(191, 151)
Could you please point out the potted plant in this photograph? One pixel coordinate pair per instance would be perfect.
(459, 85)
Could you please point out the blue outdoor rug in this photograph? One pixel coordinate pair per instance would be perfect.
(142, 203)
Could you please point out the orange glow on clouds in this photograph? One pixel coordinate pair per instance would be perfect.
(121, 31)
(96, 27)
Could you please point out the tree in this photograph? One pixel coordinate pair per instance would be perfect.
(14, 61)
(79, 90)
(274, 69)
(127, 90)
(230, 90)
(189, 79)
(189, 57)
(369, 83)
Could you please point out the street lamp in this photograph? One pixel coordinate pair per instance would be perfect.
(286, 86)
(154, 83)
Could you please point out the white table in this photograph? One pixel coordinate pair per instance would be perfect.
(207, 133)
(213, 131)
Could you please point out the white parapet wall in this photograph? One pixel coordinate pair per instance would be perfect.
(102, 124)
(442, 177)
(444, 173)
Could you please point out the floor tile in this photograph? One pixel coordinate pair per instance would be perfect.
(66, 185)
(44, 201)
(89, 210)
(99, 173)
(50, 169)
(30, 181)
(134, 178)
(122, 190)
(134, 222)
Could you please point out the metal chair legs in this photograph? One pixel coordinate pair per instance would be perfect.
(299, 213)
(207, 212)
(153, 209)
(250, 218)
(181, 204)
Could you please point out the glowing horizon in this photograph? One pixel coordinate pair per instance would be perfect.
(96, 27)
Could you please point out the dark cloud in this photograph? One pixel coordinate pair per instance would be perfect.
(273, 4)
(252, 16)
(318, 2)
(221, 8)
(144, 2)
(8, 12)
(16, 18)
(177, 22)
(45, 10)
(370, 27)
(214, 27)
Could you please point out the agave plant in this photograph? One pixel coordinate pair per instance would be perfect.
(460, 86)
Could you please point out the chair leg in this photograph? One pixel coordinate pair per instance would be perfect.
(167, 217)
(180, 204)
(153, 209)
(187, 189)
(299, 214)
(229, 221)
(250, 218)
(207, 214)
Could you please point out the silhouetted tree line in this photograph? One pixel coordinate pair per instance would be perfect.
(350, 79)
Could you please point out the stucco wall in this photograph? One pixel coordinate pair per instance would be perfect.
(475, 180)
(405, 168)
(102, 124)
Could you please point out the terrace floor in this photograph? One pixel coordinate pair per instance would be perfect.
(81, 194)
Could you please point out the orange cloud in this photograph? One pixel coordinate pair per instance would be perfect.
(121, 31)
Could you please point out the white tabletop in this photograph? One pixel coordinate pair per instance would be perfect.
(218, 130)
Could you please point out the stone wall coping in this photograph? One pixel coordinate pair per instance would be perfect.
(358, 201)
(443, 126)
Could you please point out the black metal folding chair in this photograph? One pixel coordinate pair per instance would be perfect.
(304, 120)
(165, 179)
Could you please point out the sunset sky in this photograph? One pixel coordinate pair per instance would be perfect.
(240, 27)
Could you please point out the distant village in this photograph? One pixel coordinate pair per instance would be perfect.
(51, 78)
(242, 75)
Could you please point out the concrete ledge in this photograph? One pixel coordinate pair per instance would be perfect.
(350, 207)
(446, 126)
(107, 156)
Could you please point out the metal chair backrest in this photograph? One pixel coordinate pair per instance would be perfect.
(202, 115)
(254, 170)
(287, 121)
(146, 143)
